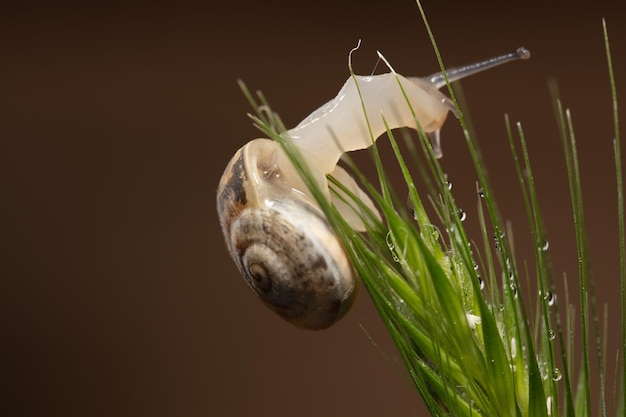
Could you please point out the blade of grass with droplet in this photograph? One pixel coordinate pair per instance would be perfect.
(568, 139)
(544, 273)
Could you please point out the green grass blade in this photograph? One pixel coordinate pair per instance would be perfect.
(571, 158)
(620, 210)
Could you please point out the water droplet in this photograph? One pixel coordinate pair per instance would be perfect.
(510, 271)
(499, 234)
(550, 297)
(271, 172)
(551, 334)
(475, 267)
(556, 375)
(395, 258)
(409, 203)
(481, 283)
(545, 245)
(549, 405)
(481, 193)
(513, 290)
(462, 215)
(448, 185)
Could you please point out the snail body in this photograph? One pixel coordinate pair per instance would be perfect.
(275, 231)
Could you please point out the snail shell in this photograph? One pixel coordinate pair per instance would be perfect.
(281, 241)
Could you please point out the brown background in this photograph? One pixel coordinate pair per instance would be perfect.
(117, 296)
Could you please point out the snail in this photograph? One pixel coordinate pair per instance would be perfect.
(275, 231)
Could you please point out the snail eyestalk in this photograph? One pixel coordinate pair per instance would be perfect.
(454, 74)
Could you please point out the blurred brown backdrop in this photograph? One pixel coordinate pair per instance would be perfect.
(117, 296)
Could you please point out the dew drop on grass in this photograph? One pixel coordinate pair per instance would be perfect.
(481, 193)
(551, 334)
(545, 245)
(513, 290)
(462, 215)
(550, 297)
(549, 405)
(500, 234)
(481, 283)
(411, 207)
(556, 375)
(497, 237)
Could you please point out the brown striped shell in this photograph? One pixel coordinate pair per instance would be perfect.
(280, 240)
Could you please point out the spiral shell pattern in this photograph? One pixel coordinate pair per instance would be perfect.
(284, 247)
